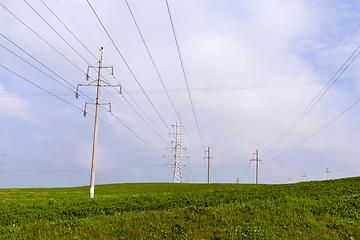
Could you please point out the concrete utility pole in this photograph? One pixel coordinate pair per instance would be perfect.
(208, 158)
(256, 159)
(327, 171)
(98, 83)
(177, 178)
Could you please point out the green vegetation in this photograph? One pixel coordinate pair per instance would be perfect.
(307, 210)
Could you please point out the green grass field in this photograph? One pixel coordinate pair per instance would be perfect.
(307, 210)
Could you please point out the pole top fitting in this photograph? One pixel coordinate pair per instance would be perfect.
(101, 52)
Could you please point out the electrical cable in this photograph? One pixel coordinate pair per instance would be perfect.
(68, 28)
(85, 33)
(245, 172)
(337, 75)
(76, 24)
(151, 58)
(95, 58)
(153, 130)
(77, 163)
(35, 66)
(157, 71)
(135, 135)
(184, 74)
(315, 132)
(41, 88)
(51, 94)
(127, 65)
(54, 95)
(58, 33)
(41, 38)
(80, 170)
(131, 92)
(313, 84)
(52, 47)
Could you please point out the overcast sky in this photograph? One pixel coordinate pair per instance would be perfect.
(278, 76)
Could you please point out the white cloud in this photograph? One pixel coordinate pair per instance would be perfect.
(13, 106)
(223, 44)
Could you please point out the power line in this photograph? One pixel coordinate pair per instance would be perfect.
(142, 117)
(96, 45)
(68, 45)
(157, 71)
(68, 29)
(51, 94)
(54, 95)
(60, 54)
(41, 87)
(74, 164)
(41, 38)
(39, 155)
(77, 24)
(80, 170)
(35, 66)
(71, 89)
(317, 81)
(317, 98)
(316, 132)
(243, 87)
(232, 88)
(127, 65)
(184, 74)
(91, 54)
(132, 108)
(58, 33)
(245, 172)
(151, 58)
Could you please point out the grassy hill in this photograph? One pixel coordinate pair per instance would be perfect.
(307, 210)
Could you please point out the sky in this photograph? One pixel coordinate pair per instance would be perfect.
(281, 77)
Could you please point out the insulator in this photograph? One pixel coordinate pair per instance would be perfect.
(87, 75)
(85, 110)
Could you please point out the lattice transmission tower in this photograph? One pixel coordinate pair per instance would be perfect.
(177, 178)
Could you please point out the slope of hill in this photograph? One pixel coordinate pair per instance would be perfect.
(307, 210)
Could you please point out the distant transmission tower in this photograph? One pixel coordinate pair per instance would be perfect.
(177, 178)
(191, 179)
(98, 83)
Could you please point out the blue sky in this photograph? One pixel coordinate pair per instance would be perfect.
(252, 67)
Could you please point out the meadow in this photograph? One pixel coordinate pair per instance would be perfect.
(306, 210)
